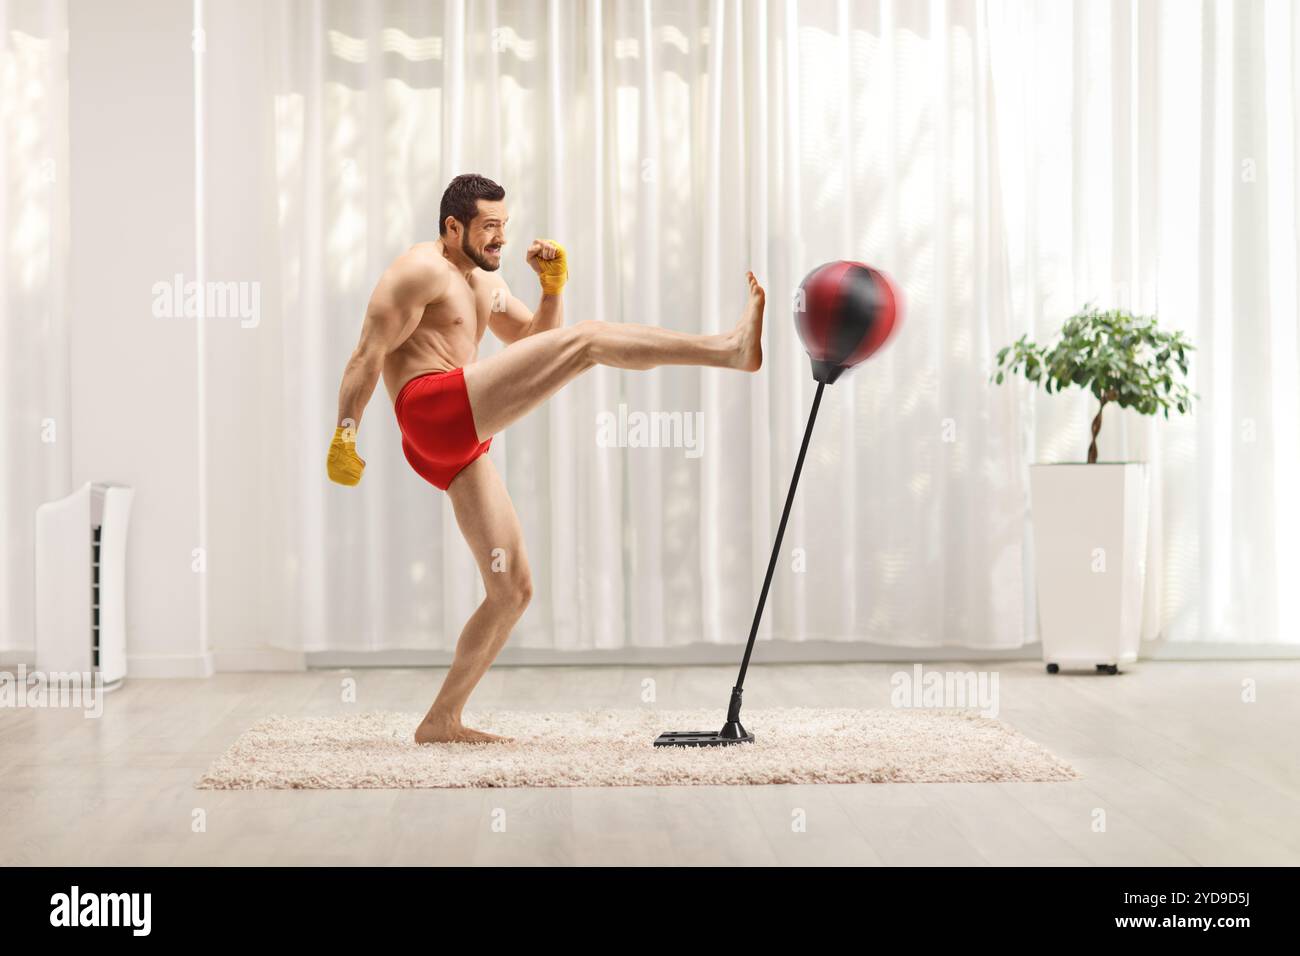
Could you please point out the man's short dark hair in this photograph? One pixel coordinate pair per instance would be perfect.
(462, 196)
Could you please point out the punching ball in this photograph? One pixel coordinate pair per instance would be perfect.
(844, 312)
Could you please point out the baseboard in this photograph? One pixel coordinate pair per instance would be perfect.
(1162, 650)
(150, 666)
(769, 652)
(786, 652)
(259, 659)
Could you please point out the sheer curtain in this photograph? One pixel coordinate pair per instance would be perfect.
(1150, 162)
(34, 427)
(671, 146)
(1005, 162)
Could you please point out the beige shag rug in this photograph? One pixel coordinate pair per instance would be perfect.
(610, 748)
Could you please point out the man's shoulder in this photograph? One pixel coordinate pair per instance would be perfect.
(423, 264)
(423, 257)
(482, 279)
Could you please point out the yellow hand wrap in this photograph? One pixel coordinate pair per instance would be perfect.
(555, 272)
(343, 464)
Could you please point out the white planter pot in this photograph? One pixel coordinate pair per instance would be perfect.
(1090, 530)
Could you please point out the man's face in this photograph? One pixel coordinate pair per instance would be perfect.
(483, 240)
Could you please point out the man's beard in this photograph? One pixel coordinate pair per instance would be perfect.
(477, 259)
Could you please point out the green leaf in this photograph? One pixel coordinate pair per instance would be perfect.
(1115, 355)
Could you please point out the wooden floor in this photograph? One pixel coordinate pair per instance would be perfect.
(1184, 772)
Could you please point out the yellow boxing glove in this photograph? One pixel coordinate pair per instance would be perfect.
(343, 464)
(554, 272)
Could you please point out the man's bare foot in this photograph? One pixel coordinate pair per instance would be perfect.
(447, 731)
(748, 333)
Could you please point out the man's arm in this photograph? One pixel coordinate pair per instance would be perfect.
(395, 308)
(509, 319)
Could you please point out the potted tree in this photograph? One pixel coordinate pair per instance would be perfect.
(1090, 519)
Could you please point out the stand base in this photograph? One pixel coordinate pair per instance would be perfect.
(730, 734)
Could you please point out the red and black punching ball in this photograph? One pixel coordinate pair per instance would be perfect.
(844, 312)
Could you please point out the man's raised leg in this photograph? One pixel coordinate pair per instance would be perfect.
(491, 528)
(510, 384)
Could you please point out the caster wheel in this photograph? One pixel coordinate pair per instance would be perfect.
(1053, 668)
(1108, 668)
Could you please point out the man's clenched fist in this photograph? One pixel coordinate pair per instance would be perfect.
(549, 262)
(343, 464)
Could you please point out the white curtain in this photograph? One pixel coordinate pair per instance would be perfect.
(34, 427)
(670, 146)
(1005, 162)
(1149, 161)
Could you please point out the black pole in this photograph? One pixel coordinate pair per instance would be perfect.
(733, 727)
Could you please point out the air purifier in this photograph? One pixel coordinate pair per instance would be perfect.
(81, 582)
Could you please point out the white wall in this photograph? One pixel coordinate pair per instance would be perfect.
(134, 410)
(244, 371)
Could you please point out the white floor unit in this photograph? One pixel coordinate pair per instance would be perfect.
(81, 582)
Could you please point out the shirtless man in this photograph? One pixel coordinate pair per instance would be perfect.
(422, 328)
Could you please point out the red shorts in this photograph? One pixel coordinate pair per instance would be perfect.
(437, 425)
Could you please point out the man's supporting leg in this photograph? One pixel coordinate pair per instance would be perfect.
(508, 385)
(491, 528)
